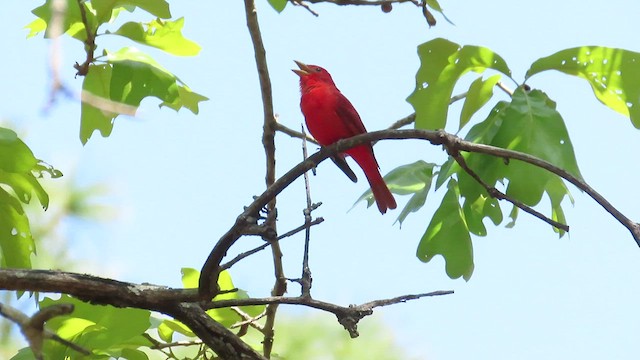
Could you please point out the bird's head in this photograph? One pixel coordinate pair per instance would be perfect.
(312, 74)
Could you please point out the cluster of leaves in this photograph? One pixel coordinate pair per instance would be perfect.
(19, 172)
(133, 334)
(528, 123)
(116, 82)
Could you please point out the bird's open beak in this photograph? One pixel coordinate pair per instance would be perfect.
(304, 69)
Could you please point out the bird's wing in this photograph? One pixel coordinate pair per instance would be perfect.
(352, 121)
(350, 116)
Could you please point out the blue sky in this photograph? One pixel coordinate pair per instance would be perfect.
(180, 180)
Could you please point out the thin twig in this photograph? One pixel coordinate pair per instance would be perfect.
(315, 221)
(407, 120)
(248, 253)
(89, 42)
(33, 327)
(295, 134)
(304, 5)
(504, 88)
(410, 119)
(248, 319)
(402, 299)
(306, 279)
(362, 2)
(347, 316)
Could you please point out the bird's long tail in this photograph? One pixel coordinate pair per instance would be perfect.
(363, 155)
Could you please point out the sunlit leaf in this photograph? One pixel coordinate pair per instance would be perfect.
(529, 124)
(411, 179)
(104, 8)
(19, 170)
(35, 27)
(475, 212)
(120, 86)
(478, 95)
(136, 75)
(16, 241)
(72, 23)
(614, 75)
(104, 329)
(435, 5)
(442, 64)
(225, 316)
(96, 114)
(448, 235)
(162, 34)
(278, 5)
(168, 327)
(190, 278)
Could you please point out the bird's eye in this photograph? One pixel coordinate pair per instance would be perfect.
(318, 69)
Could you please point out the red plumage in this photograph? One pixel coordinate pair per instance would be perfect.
(330, 117)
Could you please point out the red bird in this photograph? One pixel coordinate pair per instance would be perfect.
(331, 117)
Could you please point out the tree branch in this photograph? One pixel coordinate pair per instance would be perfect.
(305, 278)
(268, 142)
(209, 272)
(33, 327)
(347, 316)
(180, 304)
(495, 193)
(89, 42)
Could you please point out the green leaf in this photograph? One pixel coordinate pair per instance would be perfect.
(187, 99)
(435, 5)
(72, 24)
(104, 8)
(95, 113)
(162, 34)
(448, 235)
(18, 171)
(225, 316)
(16, 241)
(442, 64)
(190, 278)
(133, 354)
(136, 75)
(120, 86)
(411, 179)
(278, 5)
(478, 95)
(168, 327)
(104, 329)
(474, 213)
(529, 124)
(614, 75)
(35, 27)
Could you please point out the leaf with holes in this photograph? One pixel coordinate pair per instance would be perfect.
(442, 64)
(529, 124)
(614, 75)
(19, 172)
(162, 34)
(120, 86)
